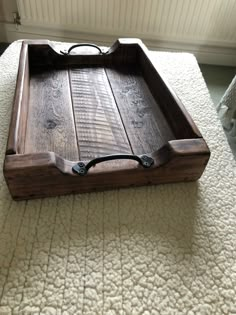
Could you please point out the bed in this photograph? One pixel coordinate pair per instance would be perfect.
(166, 249)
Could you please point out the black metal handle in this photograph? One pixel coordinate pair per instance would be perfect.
(82, 168)
(83, 45)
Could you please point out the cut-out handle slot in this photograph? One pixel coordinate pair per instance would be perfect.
(83, 45)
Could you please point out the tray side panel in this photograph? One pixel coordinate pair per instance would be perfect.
(48, 54)
(144, 121)
(173, 109)
(99, 127)
(24, 111)
(50, 124)
(44, 174)
(18, 123)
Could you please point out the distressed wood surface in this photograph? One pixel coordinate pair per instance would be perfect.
(144, 121)
(171, 106)
(50, 118)
(44, 174)
(16, 137)
(99, 127)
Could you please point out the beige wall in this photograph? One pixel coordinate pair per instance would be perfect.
(6, 9)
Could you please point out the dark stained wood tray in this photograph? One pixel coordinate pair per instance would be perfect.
(97, 121)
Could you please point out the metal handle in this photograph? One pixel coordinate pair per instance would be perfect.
(82, 168)
(83, 45)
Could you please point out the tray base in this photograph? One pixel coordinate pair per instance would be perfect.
(87, 112)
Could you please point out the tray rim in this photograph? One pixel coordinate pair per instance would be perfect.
(14, 137)
(23, 165)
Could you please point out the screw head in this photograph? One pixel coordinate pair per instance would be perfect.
(80, 168)
(81, 164)
(147, 161)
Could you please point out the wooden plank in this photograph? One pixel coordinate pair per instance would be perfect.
(99, 127)
(47, 54)
(50, 118)
(173, 109)
(144, 121)
(20, 137)
(18, 122)
(44, 174)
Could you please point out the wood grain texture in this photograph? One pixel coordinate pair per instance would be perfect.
(23, 119)
(50, 118)
(173, 109)
(99, 127)
(144, 121)
(45, 174)
(46, 54)
(18, 122)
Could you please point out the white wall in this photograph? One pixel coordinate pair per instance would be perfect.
(6, 9)
(203, 27)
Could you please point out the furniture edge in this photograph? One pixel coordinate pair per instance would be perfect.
(47, 174)
(14, 136)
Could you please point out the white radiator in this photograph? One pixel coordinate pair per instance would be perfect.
(194, 21)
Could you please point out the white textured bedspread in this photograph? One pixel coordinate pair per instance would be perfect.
(168, 249)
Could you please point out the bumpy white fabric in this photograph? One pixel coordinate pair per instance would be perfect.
(167, 249)
(227, 113)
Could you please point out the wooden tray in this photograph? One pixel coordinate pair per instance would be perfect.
(113, 107)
